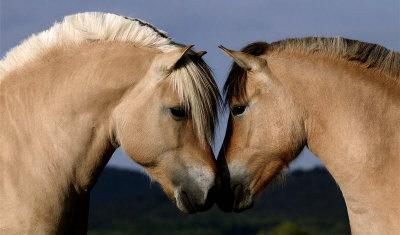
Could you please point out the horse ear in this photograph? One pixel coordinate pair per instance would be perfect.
(244, 60)
(167, 61)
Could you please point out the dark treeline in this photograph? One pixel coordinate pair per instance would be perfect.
(305, 202)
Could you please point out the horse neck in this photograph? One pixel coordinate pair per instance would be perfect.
(58, 111)
(352, 124)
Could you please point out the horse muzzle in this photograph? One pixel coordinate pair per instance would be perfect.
(191, 200)
(235, 198)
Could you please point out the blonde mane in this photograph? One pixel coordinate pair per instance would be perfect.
(368, 55)
(192, 79)
(81, 27)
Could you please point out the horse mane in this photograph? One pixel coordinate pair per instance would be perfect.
(81, 27)
(192, 78)
(368, 55)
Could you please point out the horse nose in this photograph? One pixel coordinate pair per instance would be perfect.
(192, 201)
(242, 198)
(235, 198)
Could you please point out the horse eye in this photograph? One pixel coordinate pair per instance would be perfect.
(237, 110)
(178, 113)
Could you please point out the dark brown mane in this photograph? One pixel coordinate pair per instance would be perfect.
(235, 85)
(367, 55)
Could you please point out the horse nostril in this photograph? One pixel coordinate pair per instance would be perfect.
(242, 198)
(194, 200)
(187, 202)
(238, 190)
(238, 193)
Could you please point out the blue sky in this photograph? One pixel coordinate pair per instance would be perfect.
(209, 23)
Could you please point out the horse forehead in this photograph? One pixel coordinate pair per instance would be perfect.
(167, 93)
(252, 91)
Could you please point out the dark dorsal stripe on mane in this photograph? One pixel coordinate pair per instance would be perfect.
(367, 55)
(142, 23)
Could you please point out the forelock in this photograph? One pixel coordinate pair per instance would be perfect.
(196, 87)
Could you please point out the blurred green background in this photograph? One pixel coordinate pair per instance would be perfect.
(302, 203)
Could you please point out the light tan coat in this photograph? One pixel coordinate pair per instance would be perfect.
(342, 99)
(64, 110)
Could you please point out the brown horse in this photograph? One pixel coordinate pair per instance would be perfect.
(339, 97)
(71, 95)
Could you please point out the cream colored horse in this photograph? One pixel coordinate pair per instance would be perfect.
(71, 95)
(339, 97)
